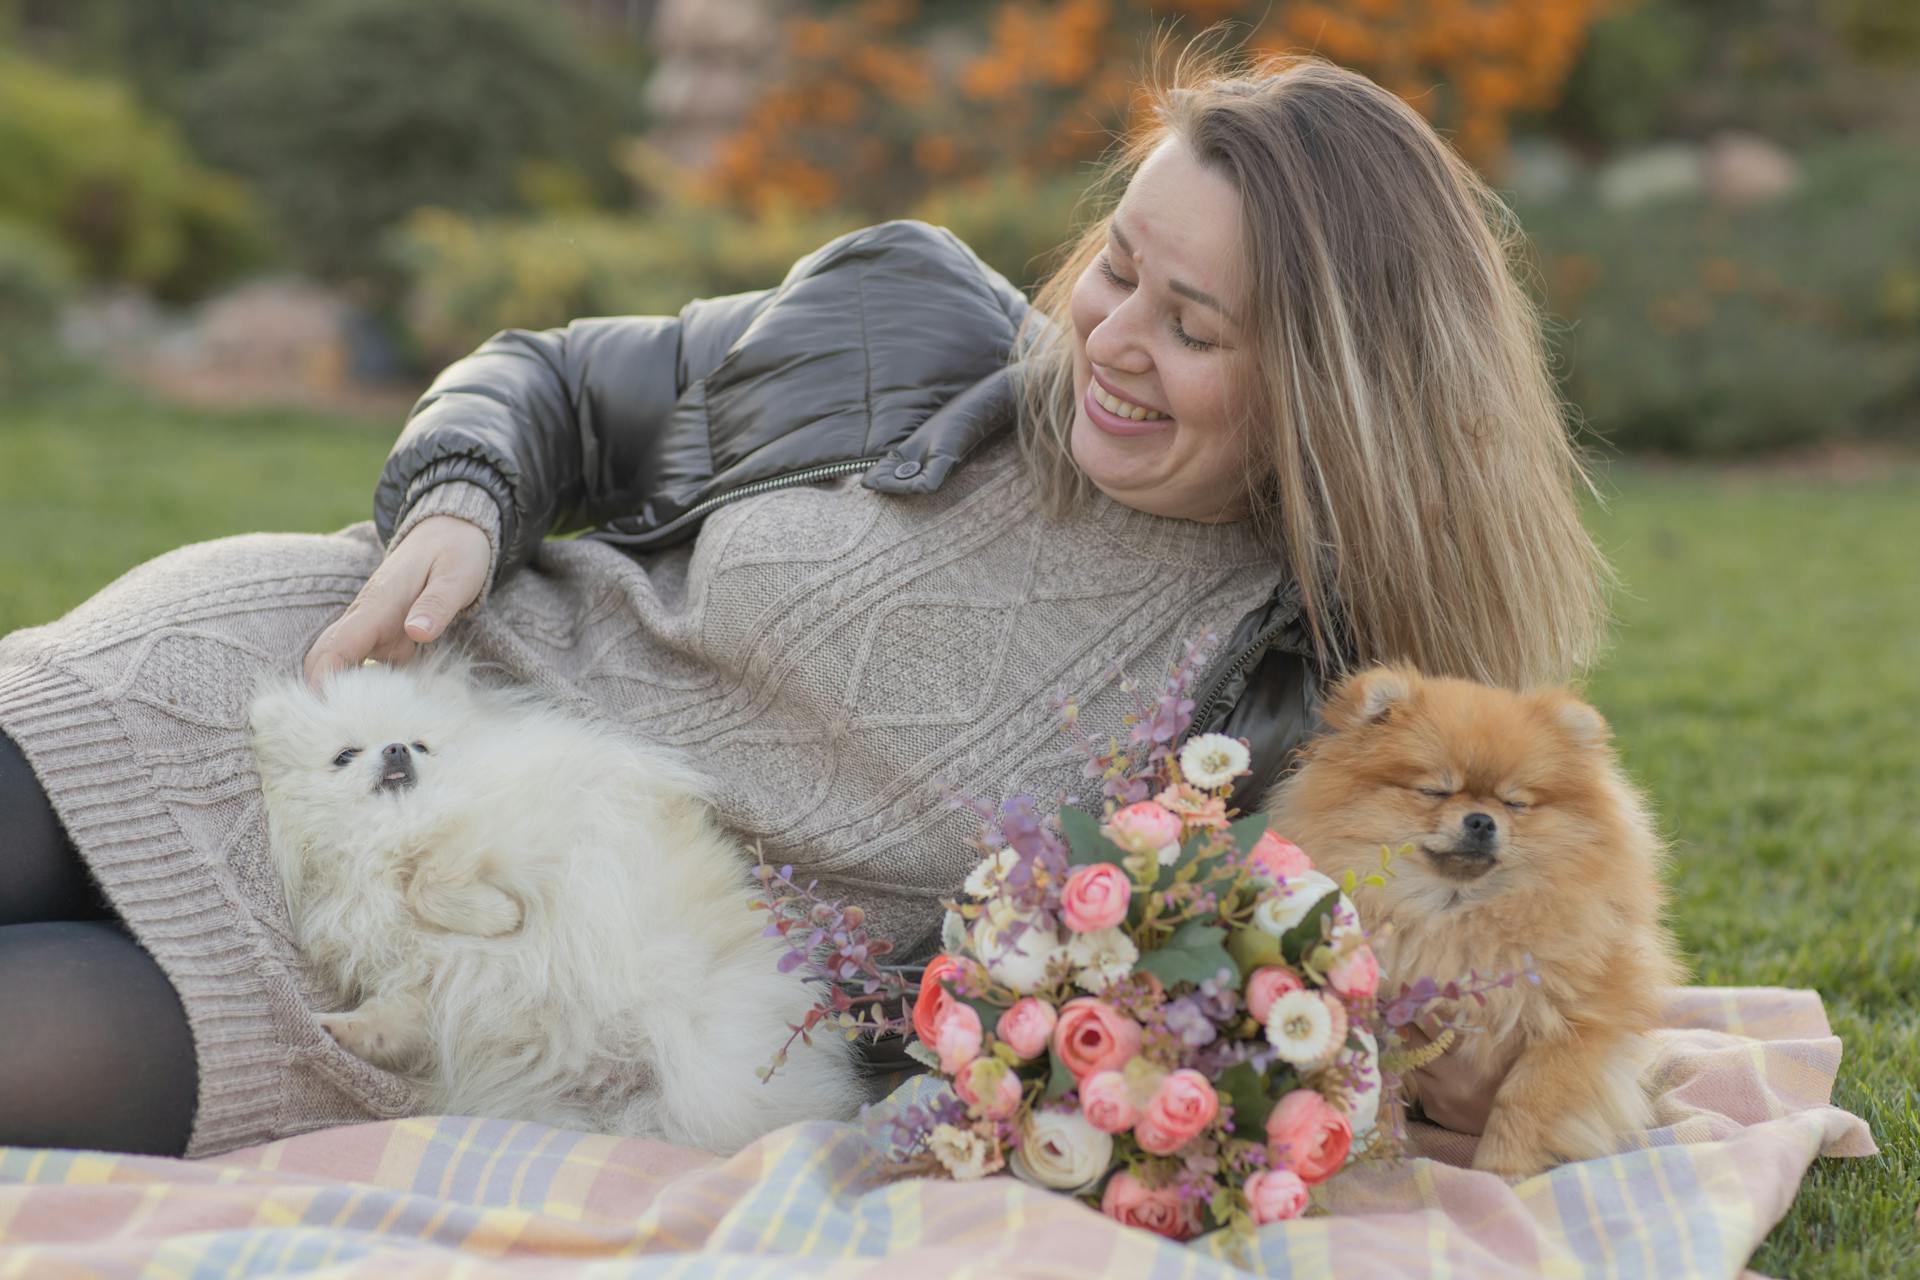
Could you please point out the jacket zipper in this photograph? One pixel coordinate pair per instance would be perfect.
(803, 476)
(1255, 649)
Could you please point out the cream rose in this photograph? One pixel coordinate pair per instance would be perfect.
(1283, 908)
(1060, 1151)
(1023, 965)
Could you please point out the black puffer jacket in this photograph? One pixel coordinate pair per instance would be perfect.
(884, 352)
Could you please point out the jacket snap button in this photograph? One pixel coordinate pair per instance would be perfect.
(906, 471)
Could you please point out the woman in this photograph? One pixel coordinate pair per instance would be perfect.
(849, 535)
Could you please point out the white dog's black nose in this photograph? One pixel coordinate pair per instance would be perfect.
(396, 767)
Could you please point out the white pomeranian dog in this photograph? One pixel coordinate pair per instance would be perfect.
(530, 915)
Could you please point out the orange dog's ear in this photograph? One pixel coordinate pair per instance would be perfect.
(1581, 722)
(1367, 696)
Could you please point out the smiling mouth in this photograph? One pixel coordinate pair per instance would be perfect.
(1460, 865)
(396, 778)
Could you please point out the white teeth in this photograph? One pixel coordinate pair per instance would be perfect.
(1121, 409)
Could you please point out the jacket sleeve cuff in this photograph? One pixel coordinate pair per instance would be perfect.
(469, 502)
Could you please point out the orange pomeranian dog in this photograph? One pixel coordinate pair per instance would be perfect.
(1527, 838)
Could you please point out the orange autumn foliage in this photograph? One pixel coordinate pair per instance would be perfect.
(865, 116)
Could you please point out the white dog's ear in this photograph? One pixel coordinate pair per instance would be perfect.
(1367, 697)
(275, 704)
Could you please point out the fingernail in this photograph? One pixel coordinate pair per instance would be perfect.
(419, 622)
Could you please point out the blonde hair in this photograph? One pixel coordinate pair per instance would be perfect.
(1408, 452)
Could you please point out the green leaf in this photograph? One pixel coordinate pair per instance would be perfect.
(1246, 832)
(1194, 953)
(1085, 844)
(1305, 936)
(1253, 1097)
(1059, 1079)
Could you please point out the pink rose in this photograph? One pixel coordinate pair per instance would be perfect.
(1027, 1027)
(1308, 1135)
(1095, 897)
(1092, 1036)
(1006, 1094)
(1128, 1201)
(1107, 1102)
(1267, 985)
(1184, 1105)
(1276, 1195)
(1145, 828)
(1277, 858)
(1357, 976)
(933, 998)
(957, 1037)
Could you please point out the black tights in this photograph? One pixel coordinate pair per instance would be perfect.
(94, 1046)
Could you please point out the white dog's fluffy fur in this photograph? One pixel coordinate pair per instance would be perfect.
(544, 923)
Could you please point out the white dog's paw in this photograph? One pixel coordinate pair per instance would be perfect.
(383, 1035)
(471, 907)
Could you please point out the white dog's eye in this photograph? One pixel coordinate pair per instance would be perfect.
(421, 747)
(345, 757)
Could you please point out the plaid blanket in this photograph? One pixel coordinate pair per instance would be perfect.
(1746, 1083)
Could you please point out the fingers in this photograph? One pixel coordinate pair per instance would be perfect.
(371, 623)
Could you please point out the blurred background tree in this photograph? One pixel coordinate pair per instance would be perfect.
(1720, 194)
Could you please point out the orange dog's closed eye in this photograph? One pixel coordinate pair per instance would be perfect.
(1527, 839)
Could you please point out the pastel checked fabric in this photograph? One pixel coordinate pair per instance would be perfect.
(1746, 1076)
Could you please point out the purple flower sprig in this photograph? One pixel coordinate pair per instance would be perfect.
(830, 941)
(1132, 771)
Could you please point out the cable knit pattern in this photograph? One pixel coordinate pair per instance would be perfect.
(828, 654)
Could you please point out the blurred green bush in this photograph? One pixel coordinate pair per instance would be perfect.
(1703, 330)
(112, 190)
(349, 114)
(469, 278)
(34, 283)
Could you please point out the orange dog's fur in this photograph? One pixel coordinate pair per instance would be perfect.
(1527, 837)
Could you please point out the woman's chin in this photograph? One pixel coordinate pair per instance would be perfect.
(1118, 465)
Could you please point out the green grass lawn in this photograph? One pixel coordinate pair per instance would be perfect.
(1764, 686)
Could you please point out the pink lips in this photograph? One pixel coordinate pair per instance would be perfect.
(1112, 423)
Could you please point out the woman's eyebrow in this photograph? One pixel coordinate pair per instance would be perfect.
(1180, 287)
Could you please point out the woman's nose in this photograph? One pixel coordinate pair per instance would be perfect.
(1117, 342)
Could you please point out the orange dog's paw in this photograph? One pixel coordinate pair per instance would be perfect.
(1508, 1150)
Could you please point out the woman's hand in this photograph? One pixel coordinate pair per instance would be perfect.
(1452, 1093)
(433, 573)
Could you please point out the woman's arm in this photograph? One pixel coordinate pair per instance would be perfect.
(556, 427)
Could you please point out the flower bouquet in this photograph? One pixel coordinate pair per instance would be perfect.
(1163, 1009)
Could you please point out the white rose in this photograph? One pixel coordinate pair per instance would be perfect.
(1362, 1066)
(1060, 1151)
(1212, 760)
(1281, 909)
(1024, 964)
(1101, 958)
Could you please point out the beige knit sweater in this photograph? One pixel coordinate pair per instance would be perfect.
(826, 653)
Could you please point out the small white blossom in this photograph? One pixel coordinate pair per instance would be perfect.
(1212, 760)
(1282, 908)
(1101, 958)
(984, 880)
(1300, 1028)
(964, 1153)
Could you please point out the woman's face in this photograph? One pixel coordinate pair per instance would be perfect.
(1153, 333)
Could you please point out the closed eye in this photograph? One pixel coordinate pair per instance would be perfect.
(1179, 330)
(1434, 793)
(345, 758)
(1518, 806)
